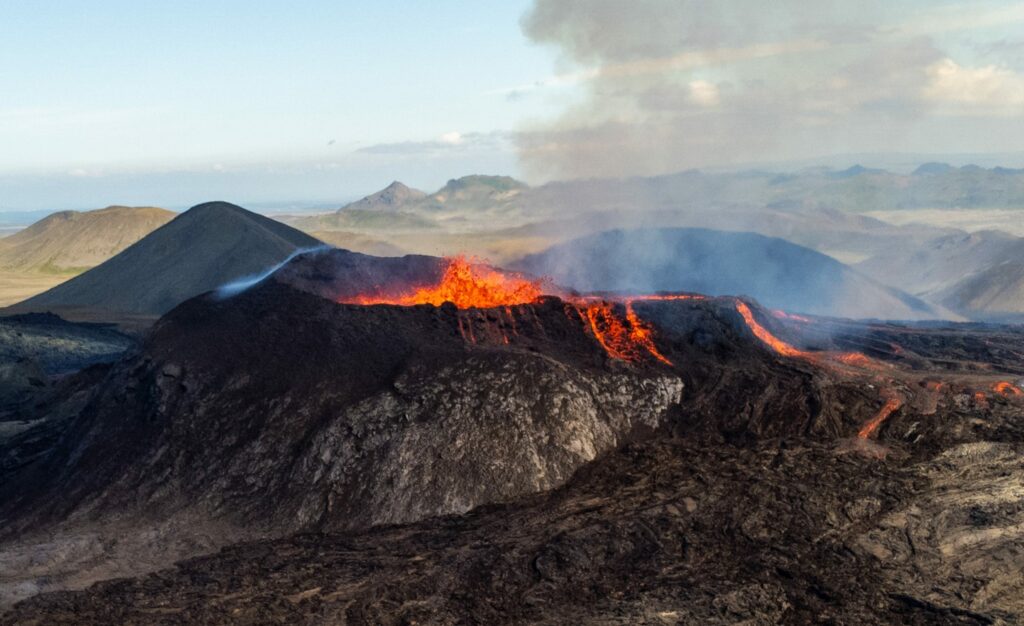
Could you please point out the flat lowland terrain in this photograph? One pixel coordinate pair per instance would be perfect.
(17, 286)
(971, 220)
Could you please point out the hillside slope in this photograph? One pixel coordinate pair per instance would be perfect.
(73, 240)
(205, 247)
(996, 293)
(924, 268)
(775, 272)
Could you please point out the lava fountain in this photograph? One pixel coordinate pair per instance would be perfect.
(466, 284)
(469, 284)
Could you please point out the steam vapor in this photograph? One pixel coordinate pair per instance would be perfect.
(674, 84)
(238, 286)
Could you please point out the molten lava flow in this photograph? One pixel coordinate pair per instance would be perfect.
(891, 404)
(609, 331)
(466, 285)
(623, 339)
(764, 335)
(790, 316)
(1006, 389)
(854, 359)
(641, 335)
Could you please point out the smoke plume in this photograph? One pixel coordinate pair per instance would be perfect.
(673, 84)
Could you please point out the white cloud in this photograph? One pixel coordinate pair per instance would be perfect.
(981, 89)
(704, 93)
(81, 172)
(453, 138)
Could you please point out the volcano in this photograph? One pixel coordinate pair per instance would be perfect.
(205, 247)
(778, 273)
(679, 443)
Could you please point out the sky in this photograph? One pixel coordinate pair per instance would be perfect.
(317, 101)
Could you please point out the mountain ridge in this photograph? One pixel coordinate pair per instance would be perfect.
(70, 241)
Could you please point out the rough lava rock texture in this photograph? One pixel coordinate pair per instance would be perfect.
(385, 464)
(660, 532)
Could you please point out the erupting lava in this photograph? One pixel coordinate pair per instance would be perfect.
(471, 285)
(466, 285)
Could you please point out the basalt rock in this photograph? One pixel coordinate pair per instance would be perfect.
(743, 490)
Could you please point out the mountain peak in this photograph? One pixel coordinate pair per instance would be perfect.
(201, 249)
(215, 206)
(70, 241)
(393, 196)
(855, 170)
(932, 168)
(496, 183)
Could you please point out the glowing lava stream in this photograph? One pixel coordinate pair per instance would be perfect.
(764, 335)
(854, 359)
(625, 340)
(892, 403)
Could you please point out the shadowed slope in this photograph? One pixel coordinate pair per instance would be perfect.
(203, 248)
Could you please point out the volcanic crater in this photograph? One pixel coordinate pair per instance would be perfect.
(346, 392)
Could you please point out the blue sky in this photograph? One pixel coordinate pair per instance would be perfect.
(95, 85)
(175, 103)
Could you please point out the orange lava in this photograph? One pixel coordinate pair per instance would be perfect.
(623, 339)
(790, 316)
(891, 404)
(1006, 389)
(854, 358)
(641, 335)
(669, 297)
(764, 335)
(465, 284)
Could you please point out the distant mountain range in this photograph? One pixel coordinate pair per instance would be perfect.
(72, 241)
(399, 207)
(214, 244)
(504, 219)
(855, 189)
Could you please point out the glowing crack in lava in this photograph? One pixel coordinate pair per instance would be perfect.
(625, 339)
(892, 403)
(1006, 389)
(466, 285)
(641, 335)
